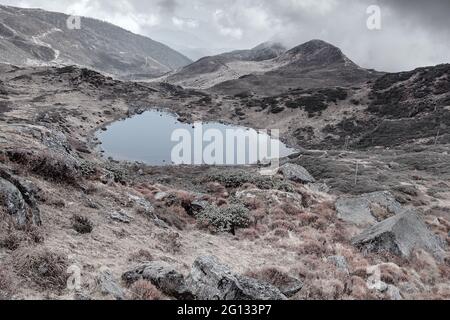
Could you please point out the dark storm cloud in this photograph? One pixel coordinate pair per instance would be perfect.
(414, 32)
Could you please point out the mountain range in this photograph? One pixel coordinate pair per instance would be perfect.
(313, 64)
(38, 37)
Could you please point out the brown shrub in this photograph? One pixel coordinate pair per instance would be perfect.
(81, 224)
(45, 268)
(358, 289)
(311, 247)
(144, 290)
(11, 237)
(282, 224)
(290, 209)
(217, 189)
(281, 233)
(248, 234)
(173, 216)
(11, 241)
(273, 276)
(277, 212)
(307, 218)
(325, 209)
(392, 273)
(322, 289)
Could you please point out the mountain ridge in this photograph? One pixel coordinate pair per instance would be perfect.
(42, 38)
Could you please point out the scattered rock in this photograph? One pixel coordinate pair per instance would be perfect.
(393, 293)
(160, 196)
(319, 187)
(399, 235)
(108, 285)
(143, 205)
(163, 276)
(120, 216)
(287, 284)
(340, 262)
(364, 210)
(211, 280)
(296, 173)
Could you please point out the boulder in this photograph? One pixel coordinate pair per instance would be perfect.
(108, 285)
(18, 199)
(163, 276)
(367, 209)
(11, 198)
(194, 207)
(399, 235)
(120, 216)
(340, 262)
(211, 280)
(296, 173)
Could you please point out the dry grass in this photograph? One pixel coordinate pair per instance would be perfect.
(43, 267)
(49, 164)
(273, 275)
(144, 290)
(171, 242)
(6, 284)
(141, 256)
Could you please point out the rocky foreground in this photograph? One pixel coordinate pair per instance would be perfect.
(357, 222)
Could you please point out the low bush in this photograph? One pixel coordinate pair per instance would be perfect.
(226, 219)
(81, 224)
(144, 290)
(45, 268)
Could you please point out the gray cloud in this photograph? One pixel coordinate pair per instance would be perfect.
(168, 6)
(414, 32)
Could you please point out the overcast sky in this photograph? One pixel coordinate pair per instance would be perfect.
(413, 32)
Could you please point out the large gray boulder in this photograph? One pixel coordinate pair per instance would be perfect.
(364, 210)
(18, 199)
(108, 285)
(296, 173)
(399, 235)
(162, 276)
(211, 280)
(12, 200)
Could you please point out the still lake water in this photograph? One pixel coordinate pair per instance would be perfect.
(158, 138)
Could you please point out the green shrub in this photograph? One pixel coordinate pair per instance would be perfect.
(226, 219)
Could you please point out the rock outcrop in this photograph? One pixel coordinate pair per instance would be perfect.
(399, 235)
(108, 285)
(296, 173)
(163, 276)
(367, 209)
(18, 200)
(211, 280)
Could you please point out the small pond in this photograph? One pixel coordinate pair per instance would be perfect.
(158, 138)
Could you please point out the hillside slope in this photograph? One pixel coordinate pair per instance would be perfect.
(213, 70)
(38, 37)
(314, 64)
